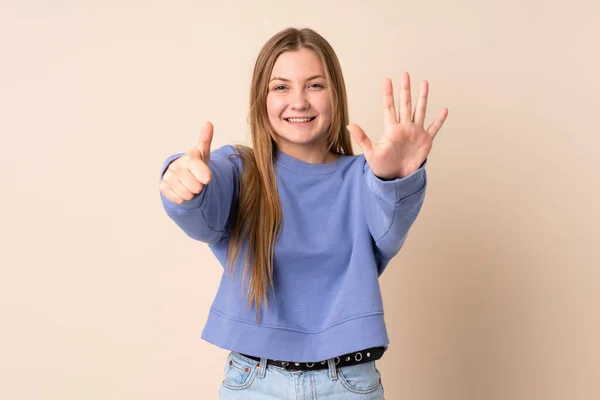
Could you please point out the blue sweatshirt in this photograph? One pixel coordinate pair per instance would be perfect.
(341, 227)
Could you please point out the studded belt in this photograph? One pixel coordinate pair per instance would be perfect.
(357, 357)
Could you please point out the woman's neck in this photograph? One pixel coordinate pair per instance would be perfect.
(311, 157)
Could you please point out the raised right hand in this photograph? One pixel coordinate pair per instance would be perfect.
(187, 175)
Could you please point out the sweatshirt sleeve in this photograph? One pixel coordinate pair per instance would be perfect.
(391, 207)
(206, 216)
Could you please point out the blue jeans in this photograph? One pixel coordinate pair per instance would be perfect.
(248, 379)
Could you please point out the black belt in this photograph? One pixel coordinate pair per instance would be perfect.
(357, 357)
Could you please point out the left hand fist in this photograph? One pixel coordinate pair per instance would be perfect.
(405, 143)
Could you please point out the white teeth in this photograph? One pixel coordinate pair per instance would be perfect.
(298, 119)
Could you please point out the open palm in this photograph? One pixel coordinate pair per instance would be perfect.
(405, 143)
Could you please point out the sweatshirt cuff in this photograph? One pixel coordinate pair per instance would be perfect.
(188, 205)
(396, 190)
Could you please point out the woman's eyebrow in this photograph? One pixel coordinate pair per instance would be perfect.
(287, 80)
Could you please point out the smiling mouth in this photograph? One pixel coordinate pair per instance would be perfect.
(300, 120)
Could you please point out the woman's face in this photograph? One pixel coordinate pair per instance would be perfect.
(299, 102)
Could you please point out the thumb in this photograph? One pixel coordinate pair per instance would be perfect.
(204, 141)
(362, 139)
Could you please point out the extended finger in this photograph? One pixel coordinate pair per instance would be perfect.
(389, 109)
(362, 139)
(405, 101)
(204, 141)
(421, 108)
(439, 121)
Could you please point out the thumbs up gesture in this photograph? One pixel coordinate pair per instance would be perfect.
(187, 175)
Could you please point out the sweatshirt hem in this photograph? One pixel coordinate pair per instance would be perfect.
(292, 345)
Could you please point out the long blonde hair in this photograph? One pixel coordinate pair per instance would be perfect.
(258, 216)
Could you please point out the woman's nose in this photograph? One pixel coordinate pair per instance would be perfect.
(299, 100)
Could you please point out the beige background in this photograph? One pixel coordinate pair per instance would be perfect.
(496, 292)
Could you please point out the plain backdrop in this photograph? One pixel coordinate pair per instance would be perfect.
(496, 292)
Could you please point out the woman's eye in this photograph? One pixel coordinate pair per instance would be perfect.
(283, 87)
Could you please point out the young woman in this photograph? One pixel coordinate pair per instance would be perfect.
(302, 227)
